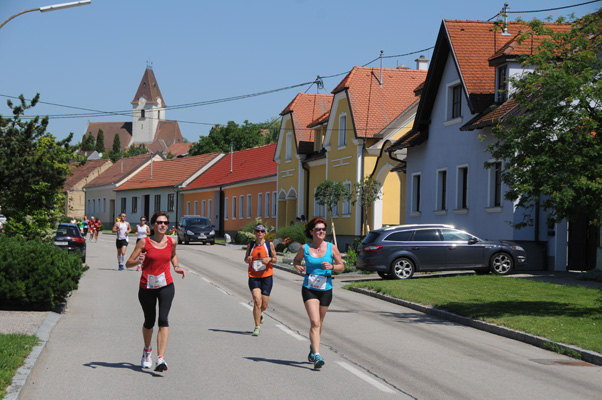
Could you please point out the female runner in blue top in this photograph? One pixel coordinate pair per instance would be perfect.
(321, 258)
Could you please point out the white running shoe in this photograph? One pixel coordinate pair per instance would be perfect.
(161, 365)
(146, 358)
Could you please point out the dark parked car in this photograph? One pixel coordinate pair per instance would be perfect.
(397, 252)
(69, 237)
(195, 229)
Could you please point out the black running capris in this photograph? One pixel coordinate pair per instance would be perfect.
(148, 300)
(324, 296)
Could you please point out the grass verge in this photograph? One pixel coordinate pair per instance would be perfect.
(14, 348)
(566, 314)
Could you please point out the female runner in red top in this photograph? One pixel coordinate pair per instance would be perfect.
(156, 253)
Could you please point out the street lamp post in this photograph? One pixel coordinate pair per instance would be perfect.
(51, 8)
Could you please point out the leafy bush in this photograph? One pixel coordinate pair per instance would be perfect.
(243, 237)
(36, 275)
(247, 233)
(295, 233)
(356, 243)
(350, 259)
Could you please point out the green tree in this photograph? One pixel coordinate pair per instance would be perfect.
(87, 143)
(242, 137)
(100, 141)
(553, 147)
(366, 192)
(134, 150)
(115, 153)
(330, 193)
(33, 170)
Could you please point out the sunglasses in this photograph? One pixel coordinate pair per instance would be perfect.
(162, 222)
(320, 229)
(259, 231)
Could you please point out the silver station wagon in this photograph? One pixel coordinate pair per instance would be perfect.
(397, 252)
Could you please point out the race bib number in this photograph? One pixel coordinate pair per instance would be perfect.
(317, 281)
(258, 265)
(156, 281)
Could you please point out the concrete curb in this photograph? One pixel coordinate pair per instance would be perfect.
(20, 379)
(586, 355)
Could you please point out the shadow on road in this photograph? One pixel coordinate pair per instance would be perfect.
(233, 332)
(121, 365)
(296, 364)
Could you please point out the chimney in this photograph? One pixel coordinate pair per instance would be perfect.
(422, 63)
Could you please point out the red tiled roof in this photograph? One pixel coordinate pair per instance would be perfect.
(168, 173)
(119, 170)
(305, 108)
(149, 88)
(109, 130)
(247, 164)
(168, 133)
(374, 107)
(320, 120)
(492, 113)
(178, 149)
(527, 46)
(81, 172)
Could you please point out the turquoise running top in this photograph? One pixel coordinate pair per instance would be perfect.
(313, 266)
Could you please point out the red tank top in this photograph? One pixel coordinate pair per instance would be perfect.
(257, 253)
(156, 262)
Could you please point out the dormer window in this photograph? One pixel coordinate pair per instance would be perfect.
(502, 84)
(289, 146)
(342, 130)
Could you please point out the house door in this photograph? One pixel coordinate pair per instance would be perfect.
(583, 241)
(147, 206)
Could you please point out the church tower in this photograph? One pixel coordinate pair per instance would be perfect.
(148, 109)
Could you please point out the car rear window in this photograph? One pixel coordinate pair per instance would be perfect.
(403, 236)
(67, 231)
(372, 236)
(197, 221)
(426, 235)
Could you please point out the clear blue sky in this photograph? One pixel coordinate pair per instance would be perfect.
(94, 56)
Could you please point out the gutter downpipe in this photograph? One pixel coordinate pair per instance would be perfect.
(306, 207)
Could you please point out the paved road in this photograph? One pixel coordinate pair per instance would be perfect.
(372, 348)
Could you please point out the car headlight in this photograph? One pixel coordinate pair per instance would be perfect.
(212, 232)
(517, 248)
(189, 233)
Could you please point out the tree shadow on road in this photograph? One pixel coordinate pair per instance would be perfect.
(121, 365)
(289, 363)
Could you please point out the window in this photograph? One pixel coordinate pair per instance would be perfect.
(104, 205)
(123, 204)
(93, 206)
(289, 145)
(335, 209)
(89, 207)
(403, 236)
(241, 207)
(415, 206)
(134, 204)
(203, 205)
(157, 202)
(462, 188)
(259, 204)
(502, 87)
(274, 202)
(99, 208)
(456, 102)
(249, 206)
(170, 201)
(267, 204)
(452, 235)
(142, 113)
(196, 207)
(342, 130)
(233, 207)
(226, 208)
(187, 208)
(495, 184)
(347, 203)
(426, 235)
(209, 209)
(441, 190)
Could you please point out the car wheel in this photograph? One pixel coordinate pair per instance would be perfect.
(402, 268)
(384, 275)
(212, 242)
(501, 263)
(186, 241)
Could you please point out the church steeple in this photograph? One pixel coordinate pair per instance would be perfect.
(148, 109)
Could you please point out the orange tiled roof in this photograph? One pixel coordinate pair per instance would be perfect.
(167, 173)
(82, 171)
(305, 108)
(168, 133)
(247, 165)
(110, 130)
(513, 48)
(119, 170)
(320, 120)
(149, 88)
(374, 107)
(179, 149)
(492, 113)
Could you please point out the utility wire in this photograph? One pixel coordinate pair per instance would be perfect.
(544, 10)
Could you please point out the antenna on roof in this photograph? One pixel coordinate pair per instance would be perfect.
(504, 13)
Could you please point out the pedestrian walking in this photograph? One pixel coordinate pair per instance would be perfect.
(156, 252)
(122, 228)
(259, 256)
(142, 231)
(97, 228)
(321, 258)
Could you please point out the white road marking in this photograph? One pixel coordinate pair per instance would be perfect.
(206, 280)
(246, 305)
(293, 334)
(366, 378)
